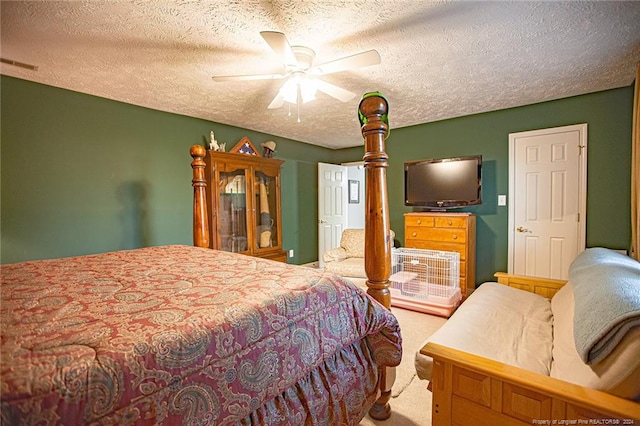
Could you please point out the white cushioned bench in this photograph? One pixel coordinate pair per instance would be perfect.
(503, 341)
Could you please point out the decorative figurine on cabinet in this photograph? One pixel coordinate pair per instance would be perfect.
(213, 143)
(268, 148)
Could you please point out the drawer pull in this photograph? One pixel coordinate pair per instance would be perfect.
(419, 222)
(450, 223)
(415, 234)
(455, 237)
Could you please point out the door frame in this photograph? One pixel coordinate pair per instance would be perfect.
(343, 220)
(354, 213)
(582, 185)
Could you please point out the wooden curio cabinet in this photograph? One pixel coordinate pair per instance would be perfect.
(244, 204)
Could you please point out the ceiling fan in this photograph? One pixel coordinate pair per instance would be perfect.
(302, 78)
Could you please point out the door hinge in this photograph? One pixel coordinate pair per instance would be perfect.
(580, 149)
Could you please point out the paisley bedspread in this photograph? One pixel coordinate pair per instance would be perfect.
(184, 335)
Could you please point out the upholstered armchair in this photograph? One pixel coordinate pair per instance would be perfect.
(348, 259)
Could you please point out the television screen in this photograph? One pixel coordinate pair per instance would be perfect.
(444, 182)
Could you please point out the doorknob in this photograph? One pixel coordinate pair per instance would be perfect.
(521, 229)
(322, 221)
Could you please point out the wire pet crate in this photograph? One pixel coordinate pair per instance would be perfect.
(425, 280)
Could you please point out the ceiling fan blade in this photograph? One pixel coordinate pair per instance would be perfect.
(363, 59)
(279, 44)
(335, 91)
(277, 102)
(248, 77)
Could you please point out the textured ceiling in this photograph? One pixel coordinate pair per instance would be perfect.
(439, 59)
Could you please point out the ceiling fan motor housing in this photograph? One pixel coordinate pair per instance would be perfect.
(304, 57)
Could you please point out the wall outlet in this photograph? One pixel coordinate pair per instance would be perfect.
(291, 253)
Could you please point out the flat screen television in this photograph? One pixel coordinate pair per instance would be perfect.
(443, 183)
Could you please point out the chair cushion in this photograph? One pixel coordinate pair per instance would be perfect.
(348, 259)
(500, 323)
(618, 373)
(351, 267)
(334, 255)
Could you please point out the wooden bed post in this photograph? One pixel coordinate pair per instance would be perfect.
(377, 258)
(199, 183)
(373, 111)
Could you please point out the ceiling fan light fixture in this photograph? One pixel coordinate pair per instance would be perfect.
(289, 91)
(299, 87)
(308, 89)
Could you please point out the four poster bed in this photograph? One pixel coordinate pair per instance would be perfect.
(190, 335)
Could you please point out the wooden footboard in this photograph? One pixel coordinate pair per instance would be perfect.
(472, 390)
(545, 287)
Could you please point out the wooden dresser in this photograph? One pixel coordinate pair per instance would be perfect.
(446, 232)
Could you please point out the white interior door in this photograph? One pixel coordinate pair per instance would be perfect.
(547, 192)
(332, 206)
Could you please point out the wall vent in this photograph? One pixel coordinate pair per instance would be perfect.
(19, 64)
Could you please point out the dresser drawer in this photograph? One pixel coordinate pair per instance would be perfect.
(427, 221)
(450, 222)
(451, 235)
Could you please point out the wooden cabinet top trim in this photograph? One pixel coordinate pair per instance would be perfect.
(232, 156)
(439, 214)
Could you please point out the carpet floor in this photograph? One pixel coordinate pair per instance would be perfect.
(410, 399)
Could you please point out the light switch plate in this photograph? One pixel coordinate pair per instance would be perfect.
(502, 200)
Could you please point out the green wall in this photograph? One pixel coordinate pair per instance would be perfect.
(83, 174)
(609, 118)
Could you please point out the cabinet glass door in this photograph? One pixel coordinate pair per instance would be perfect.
(266, 210)
(232, 211)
